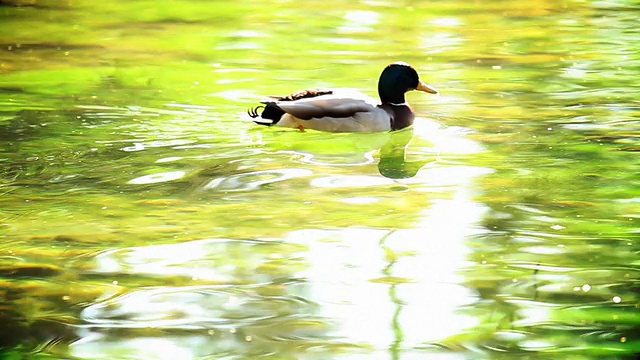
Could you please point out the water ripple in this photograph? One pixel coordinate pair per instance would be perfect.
(157, 177)
(197, 260)
(255, 179)
(341, 181)
(188, 307)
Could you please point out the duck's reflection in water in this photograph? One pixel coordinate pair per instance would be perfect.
(393, 163)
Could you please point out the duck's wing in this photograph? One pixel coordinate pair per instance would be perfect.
(334, 114)
(333, 106)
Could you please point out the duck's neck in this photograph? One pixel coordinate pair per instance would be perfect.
(398, 104)
(391, 92)
(396, 98)
(401, 115)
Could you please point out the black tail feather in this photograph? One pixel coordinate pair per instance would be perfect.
(270, 111)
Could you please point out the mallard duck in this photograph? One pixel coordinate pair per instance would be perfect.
(347, 111)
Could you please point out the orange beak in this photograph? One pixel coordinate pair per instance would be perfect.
(426, 88)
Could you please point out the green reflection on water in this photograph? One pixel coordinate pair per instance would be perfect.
(143, 215)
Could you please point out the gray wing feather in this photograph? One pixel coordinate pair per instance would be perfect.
(325, 106)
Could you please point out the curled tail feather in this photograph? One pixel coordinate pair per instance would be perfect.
(253, 112)
(270, 115)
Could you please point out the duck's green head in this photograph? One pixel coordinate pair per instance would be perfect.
(398, 78)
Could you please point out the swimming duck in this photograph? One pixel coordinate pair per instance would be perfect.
(347, 111)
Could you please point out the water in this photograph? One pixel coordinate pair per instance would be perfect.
(143, 216)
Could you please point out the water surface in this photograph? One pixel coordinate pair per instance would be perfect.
(143, 215)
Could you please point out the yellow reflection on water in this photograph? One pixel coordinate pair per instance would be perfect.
(404, 286)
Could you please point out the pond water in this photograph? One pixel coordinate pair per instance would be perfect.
(144, 216)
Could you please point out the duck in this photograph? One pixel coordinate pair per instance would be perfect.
(343, 110)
